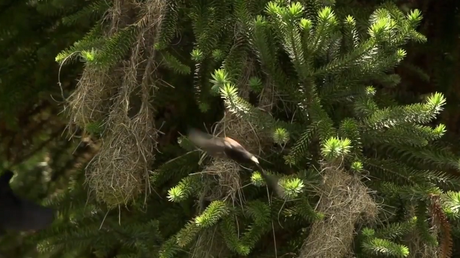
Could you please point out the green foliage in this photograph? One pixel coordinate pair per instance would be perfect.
(331, 81)
(184, 189)
(324, 65)
(75, 230)
(31, 35)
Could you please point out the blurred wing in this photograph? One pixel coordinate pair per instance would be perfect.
(272, 182)
(206, 141)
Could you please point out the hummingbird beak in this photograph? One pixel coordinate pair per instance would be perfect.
(254, 159)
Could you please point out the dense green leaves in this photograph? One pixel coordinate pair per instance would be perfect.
(306, 76)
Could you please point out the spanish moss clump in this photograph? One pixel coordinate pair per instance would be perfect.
(121, 104)
(345, 201)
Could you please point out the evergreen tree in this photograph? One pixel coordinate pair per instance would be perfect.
(304, 85)
(325, 66)
(31, 144)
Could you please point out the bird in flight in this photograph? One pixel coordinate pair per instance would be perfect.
(229, 148)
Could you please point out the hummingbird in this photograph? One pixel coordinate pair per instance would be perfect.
(230, 148)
